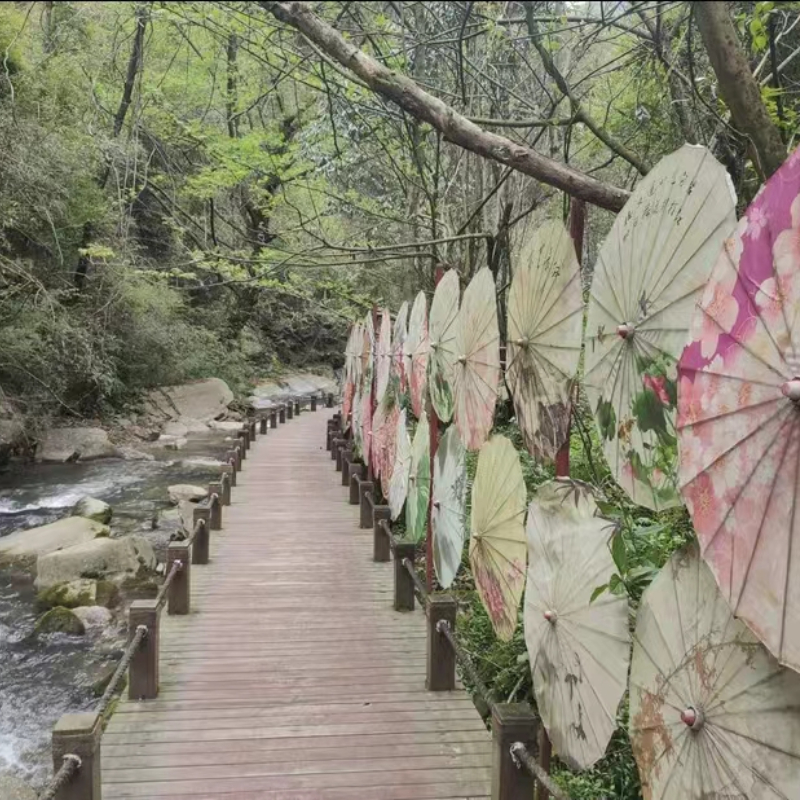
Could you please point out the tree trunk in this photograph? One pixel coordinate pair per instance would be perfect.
(737, 85)
(456, 128)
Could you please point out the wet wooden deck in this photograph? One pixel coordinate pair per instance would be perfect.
(293, 677)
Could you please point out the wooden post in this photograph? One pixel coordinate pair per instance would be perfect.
(282, 414)
(403, 585)
(215, 521)
(200, 546)
(273, 419)
(313, 402)
(143, 673)
(366, 502)
(226, 483)
(262, 424)
(244, 441)
(180, 590)
(441, 658)
(297, 408)
(356, 471)
(79, 735)
(338, 447)
(253, 429)
(238, 450)
(381, 546)
(329, 401)
(512, 722)
(290, 409)
(230, 467)
(347, 459)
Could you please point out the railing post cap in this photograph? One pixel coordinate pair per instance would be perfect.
(77, 723)
(441, 600)
(510, 715)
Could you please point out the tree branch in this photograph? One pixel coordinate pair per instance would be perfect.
(454, 127)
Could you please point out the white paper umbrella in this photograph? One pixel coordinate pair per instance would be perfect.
(399, 336)
(384, 365)
(712, 713)
(648, 278)
(398, 488)
(367, 354)
(377, 441)
(497, 548)
(578, 649)
(448, 512)
(416, 356)
(358, 436)
(477, 371)
(545, 332)
(419, 483)
(442, 357)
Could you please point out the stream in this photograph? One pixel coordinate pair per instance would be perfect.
(44, 677)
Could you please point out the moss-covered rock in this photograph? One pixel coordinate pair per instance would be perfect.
(69, 594)
(92, 508)
(60, 620)
(107, 594)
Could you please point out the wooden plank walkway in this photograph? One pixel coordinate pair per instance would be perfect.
(293, 677)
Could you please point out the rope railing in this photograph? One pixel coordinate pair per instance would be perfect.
(130, 651)
(161, 597)
(523, 759)
(199, 525)
(66, 772)
(419, 587)
(443, 627)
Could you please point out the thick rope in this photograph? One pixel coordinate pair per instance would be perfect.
(419, 587)
(134, 644)
(161, 597)
(69, 766)
(523, 759)
(443, 627)
(199, 524)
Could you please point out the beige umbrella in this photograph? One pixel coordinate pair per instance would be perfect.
(578, 648)
(419, 483)
(648, 278)
(497, 549)
(545, 332)
(377, 440)
(384, 360)
(357, 428)
(712, 713)
(443, 355)
(398, 486)
(416, 357)
(398, 344)
(448, 505)
(477, 371)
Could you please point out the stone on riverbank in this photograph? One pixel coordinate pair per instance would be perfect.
(199, 401)
(92, 508)
(82, 592)
(72, 444)
(94, 618)
(185, 491)
(48, 538)
(60, 620)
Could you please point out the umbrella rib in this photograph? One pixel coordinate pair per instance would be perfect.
(620, 345)
(715, 750)
(561, 293)
(711, 707)
(611, 288)
(726, 375)
(666, 677)
(682, 734)
(790, 535)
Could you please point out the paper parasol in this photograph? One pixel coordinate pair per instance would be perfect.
(545, 332)
(366, 427)
(352, 366)
(388, 447)
(367, 354)
(384, 365)
(649, 275)
(442, 357)
(477, 370)
(712, 714)
(398, 488)
(578, 649)
(416, 356)
(377, 442)
(357, 427)
(398, 345)
(448, 507)
(497, 549)
(419, 483)
(739, 417)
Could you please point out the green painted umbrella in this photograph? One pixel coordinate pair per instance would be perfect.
(419, 483)
(497, 548)
(448, 506)
(443, 356)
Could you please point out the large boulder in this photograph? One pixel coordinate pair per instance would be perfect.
(132, 454)
(60, 620)
(185, 491)
(47, 538)
(82, 592)
(114, 559)
(225, 425)
(72, 444)
(200, 401)
(94, 618)
(92, 508)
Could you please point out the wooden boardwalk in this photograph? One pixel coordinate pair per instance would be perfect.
(293, 677)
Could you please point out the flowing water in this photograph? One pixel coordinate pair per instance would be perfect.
(44, 677)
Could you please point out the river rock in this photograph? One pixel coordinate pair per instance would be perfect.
(172, 442)
(92, 508)
(12, 788)
(94, 618)
(114, 559)
(225, 425)
(71, 444)
(47, 538)
(82, 592)
(185, 491)
(132, 454)
(60, 620)
(199, 400)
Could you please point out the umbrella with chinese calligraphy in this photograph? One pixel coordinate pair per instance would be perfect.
(419, 483)
(448, 505)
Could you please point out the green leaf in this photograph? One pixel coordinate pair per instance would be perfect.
(597, 592)
(619, 552)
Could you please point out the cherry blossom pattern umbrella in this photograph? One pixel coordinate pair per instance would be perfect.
(443, 355)
(398, 486)
(367, 387)
(477, 370)
(712, 713)
(416, 354)
(448, 506)
(388, 446)
(739, 417)
(357, 427)
(545, 332)
(419, 483)
(497, 549)
(384, 359)
(649, 275)
(367, 351)
(578, 647)
(399, 336)
(377, 442)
